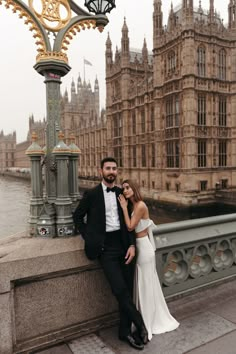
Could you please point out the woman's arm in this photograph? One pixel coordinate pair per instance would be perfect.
(131, 222)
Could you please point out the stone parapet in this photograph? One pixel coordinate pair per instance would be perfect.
(50, 292)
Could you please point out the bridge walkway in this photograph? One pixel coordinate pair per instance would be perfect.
(207, 325)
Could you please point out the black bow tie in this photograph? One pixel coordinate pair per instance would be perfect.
(113, 189)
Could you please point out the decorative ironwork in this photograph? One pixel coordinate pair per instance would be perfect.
(73, 30)
(22, 12)
(52, 55)
(50, 14)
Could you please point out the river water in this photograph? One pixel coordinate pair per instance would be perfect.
(14, 206)
(15, 199)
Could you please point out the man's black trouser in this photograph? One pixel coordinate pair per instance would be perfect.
(120, 278)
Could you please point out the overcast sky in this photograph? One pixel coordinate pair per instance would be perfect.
(22, 89)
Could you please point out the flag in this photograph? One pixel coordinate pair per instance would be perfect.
(87, 62)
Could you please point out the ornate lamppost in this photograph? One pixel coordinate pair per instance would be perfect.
(55, 17)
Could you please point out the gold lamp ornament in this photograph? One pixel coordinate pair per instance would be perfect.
(53, 14)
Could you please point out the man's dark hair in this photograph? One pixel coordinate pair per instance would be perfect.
(108, 159)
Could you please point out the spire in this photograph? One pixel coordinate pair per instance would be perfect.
(125, 39)
(79, 83)
(171, 20)
(200, 6)
(72, 90)
(96, 85)
(145, 52)
(108, 41)
(187, 9)
(117, 55)
(232, 14)
(211, 11)
(157, 21)
(109, 53)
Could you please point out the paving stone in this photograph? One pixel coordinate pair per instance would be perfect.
(226, 310)
(225, 344)
(193, 332)
(59, 349)
(91, 344)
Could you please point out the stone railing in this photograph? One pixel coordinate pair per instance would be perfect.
(195, 253)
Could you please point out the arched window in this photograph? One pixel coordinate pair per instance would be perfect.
(201, 61)
(222, 64)
(171, 62)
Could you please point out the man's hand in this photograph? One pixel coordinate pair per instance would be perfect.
(130, 254)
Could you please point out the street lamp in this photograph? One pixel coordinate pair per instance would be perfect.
(100, 6)
(52, 63)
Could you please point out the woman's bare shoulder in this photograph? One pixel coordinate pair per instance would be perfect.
(141, 205)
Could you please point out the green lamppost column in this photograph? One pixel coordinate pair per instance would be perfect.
(35, 153)
(52, 72)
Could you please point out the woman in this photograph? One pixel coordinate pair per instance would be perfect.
(148, 295)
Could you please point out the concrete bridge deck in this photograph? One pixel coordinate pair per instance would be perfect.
(207, 325)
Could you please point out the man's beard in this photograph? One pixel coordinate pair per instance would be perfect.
(109, 179)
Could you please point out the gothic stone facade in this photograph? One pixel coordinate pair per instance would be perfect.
(81, 117)
(171, 120)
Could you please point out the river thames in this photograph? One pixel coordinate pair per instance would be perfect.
(15, 200)
(14, 206)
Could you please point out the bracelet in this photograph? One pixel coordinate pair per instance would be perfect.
(132, 246)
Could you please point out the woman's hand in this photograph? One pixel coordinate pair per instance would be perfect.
(123, 201)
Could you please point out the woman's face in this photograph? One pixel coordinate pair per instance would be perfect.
(127, 190)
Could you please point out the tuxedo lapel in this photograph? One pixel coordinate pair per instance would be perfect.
(120, 211)
(101, 206)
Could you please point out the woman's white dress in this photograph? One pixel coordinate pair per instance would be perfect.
(148, 295)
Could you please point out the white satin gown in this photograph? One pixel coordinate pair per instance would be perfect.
(148, 295)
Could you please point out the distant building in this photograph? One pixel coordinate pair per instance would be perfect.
(7, 150)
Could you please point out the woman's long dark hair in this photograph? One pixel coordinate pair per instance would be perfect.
(135, 188)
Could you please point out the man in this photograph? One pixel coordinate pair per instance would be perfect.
(107, 238)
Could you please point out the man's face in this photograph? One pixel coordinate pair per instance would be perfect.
(109, 172)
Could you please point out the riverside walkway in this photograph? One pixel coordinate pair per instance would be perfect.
(207, 325)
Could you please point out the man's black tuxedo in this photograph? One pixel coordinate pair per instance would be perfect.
(93, 230)
(110, 248)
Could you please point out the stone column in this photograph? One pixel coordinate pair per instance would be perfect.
(35, 153)
(63, 204)
(73, 172)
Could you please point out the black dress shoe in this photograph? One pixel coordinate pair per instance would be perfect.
(143, 334)
(132, 341)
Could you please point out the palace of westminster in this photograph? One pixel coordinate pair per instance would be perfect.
(170, 117)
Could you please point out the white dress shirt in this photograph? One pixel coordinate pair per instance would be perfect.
(112, 216)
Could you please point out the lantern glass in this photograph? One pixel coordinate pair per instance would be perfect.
(100, 6)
